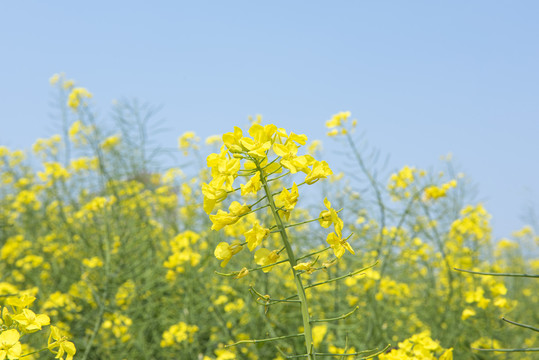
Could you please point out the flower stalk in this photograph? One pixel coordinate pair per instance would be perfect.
(307, 331)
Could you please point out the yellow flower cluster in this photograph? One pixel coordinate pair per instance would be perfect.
(434, 192)
(472, 225)
(338, 124)
(187, 141)
(178, 333)
(18, 320)
(77, 96)
(119, 252)
(400, 182)
(78, 132)
(419, 347)
(268, 150)
(110, 142)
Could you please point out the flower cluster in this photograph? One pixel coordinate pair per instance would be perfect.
(268, 151)
(419, 347)
(339, 124)
(18, 321)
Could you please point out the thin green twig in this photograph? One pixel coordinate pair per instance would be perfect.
(344, 316)
(508, 350)
(255, 341)
(498, 274)
(521, 325)
(341, 277)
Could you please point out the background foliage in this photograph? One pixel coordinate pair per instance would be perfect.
(119, 252)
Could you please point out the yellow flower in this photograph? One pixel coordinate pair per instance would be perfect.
(337, 350)
(30, 321)
(265, 257)
(224, 251)
(222, 218)
(188, 140)
(110, 142)
(252, 186)
(467, 313)
(338, 244)
(54, 79)
(224, 171)
(242, 273)
(329, 216)
(212, 196)
(75, 97)
(288, 199)
(213, 140)
(338, 119)
(93, 262)
(232, 140)
(301, 139)
(306, 266)
(320, 170)
(10, 347)
(289, 159)
(262, 134)
(319, 332)
(435, 192)
(21, 302)
(314, 146)
(64, 346)
(237, 209)
(447, 355)
(333, 132)
(255, 236)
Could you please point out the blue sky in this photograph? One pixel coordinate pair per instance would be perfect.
(423, 78)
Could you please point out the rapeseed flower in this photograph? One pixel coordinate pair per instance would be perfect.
(264, 257)
(255, 236)
(59, 345)
(10, 347)
(30, 322)
(224, 251)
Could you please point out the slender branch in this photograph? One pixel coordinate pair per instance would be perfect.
(356, 353)
(377, 353)
(344, 316)
(508, 350)
(278, 177)
(234, 273)
(254, 210)
(256, 202)
(341, 277)
(314, 253)
(499, 274)
(255, 341)
(308, 221)
(521, 325)
(34, 352)
(292, 260)
(374, 185)
(268, 300)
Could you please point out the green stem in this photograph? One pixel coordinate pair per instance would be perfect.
(521, 325)
(508, 350)
(255, 341)
(292, 260)
(498, 274)
(34, 352)
(313, 253)
(344, 316)
(341, 277)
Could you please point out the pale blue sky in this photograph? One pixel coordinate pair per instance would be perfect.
(423, 78)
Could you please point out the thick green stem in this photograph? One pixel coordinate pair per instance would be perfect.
(307, 331)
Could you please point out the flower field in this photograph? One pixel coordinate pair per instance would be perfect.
(254, 248)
